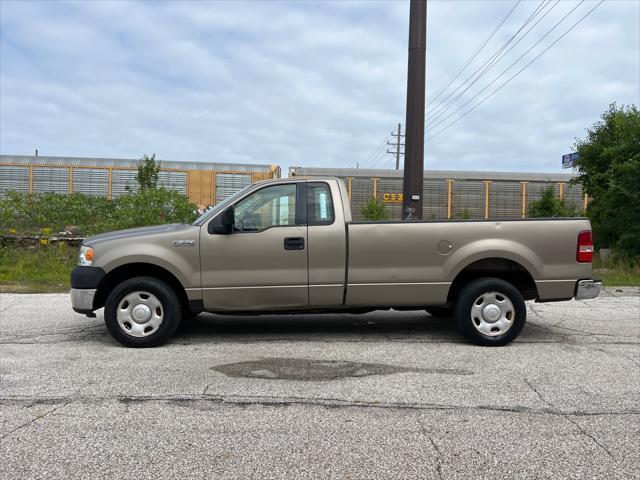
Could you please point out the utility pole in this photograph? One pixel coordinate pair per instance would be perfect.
(397, 146)
(412, 186)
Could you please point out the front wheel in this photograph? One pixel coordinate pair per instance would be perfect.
(142, 312)
(490, 312)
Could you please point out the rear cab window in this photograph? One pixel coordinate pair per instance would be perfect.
(319, 204)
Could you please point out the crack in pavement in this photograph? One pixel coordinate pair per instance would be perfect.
(35, 419)
(588, 435)
(613, 354)
(546, 329)
(579, 333)
(28, 336)
(247, 400)
(535, 311)
(589, 334)
(182, 340)
(535, 390)
(439, 455)
(6, 308)
(570, 420)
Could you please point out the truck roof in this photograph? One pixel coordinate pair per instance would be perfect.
(295, 179)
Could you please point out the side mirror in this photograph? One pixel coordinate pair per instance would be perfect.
(223, 223)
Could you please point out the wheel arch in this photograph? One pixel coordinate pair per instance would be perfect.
(498, 267)
(138, 269)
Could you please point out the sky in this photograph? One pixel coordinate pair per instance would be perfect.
(306, 83)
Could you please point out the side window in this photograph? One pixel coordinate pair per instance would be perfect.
(268, 207)
(319, 204)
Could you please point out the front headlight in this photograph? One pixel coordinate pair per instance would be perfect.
(86, 256)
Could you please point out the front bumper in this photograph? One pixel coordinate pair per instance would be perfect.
(82, 299)
(586, 289)
(84, 284)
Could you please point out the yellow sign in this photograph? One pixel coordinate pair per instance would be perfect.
(392, 197)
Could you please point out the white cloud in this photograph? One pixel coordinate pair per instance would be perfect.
(297, 83)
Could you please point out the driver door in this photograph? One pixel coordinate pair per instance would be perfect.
(262, 264)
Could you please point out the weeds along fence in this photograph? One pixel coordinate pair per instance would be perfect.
(9, 240)
(453, 194)
(43, 215)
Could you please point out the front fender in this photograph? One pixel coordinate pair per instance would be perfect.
(184, 266)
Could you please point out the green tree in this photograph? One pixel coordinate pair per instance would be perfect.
(609, 170)
(375, 210)
(148, 172)
(551, 206)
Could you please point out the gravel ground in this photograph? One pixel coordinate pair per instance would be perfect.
(376, 396)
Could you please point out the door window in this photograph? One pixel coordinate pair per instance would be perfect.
(319, 204)
(268, 207)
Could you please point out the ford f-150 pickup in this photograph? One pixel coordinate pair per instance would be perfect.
(290, 245)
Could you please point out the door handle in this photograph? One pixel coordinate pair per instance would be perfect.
(294, 243)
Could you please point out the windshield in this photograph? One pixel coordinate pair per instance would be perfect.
(220, 206)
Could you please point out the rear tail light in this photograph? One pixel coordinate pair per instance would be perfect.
(584, 251)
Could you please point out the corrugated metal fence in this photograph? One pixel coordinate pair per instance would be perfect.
(205, 183)
(453, 194)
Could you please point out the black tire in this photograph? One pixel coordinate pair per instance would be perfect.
(440, 312)
(170, 309)
(467, 324)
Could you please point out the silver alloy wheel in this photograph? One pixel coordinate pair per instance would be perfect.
(140, 314)
(492, 314)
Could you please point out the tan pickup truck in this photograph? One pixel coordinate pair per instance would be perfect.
(290, 245)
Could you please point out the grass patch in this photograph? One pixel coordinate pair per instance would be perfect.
(616, 273)
(41, 269)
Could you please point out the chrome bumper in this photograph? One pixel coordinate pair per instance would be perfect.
(588, 289)
(82, 299)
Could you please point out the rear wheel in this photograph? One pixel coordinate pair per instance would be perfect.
(142, 312)
(490, 312)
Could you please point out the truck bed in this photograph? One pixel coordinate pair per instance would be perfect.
(411, 263)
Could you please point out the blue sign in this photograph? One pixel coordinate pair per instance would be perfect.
(569, 159)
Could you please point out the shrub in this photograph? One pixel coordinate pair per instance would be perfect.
(33, 212)
(151, 207)
(551, 206)
(375, 210)
(44, 213)
(464, 215)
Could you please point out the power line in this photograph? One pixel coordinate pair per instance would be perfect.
(375, 151)
(518, 72)
(380, 156)
(475, 54)
(508, 68)
(491, 61)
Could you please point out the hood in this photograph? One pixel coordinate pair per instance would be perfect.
(139, 232)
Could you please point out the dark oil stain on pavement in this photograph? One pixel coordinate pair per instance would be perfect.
(303, 369)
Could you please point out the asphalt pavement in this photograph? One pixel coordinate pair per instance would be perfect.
(378, 396)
